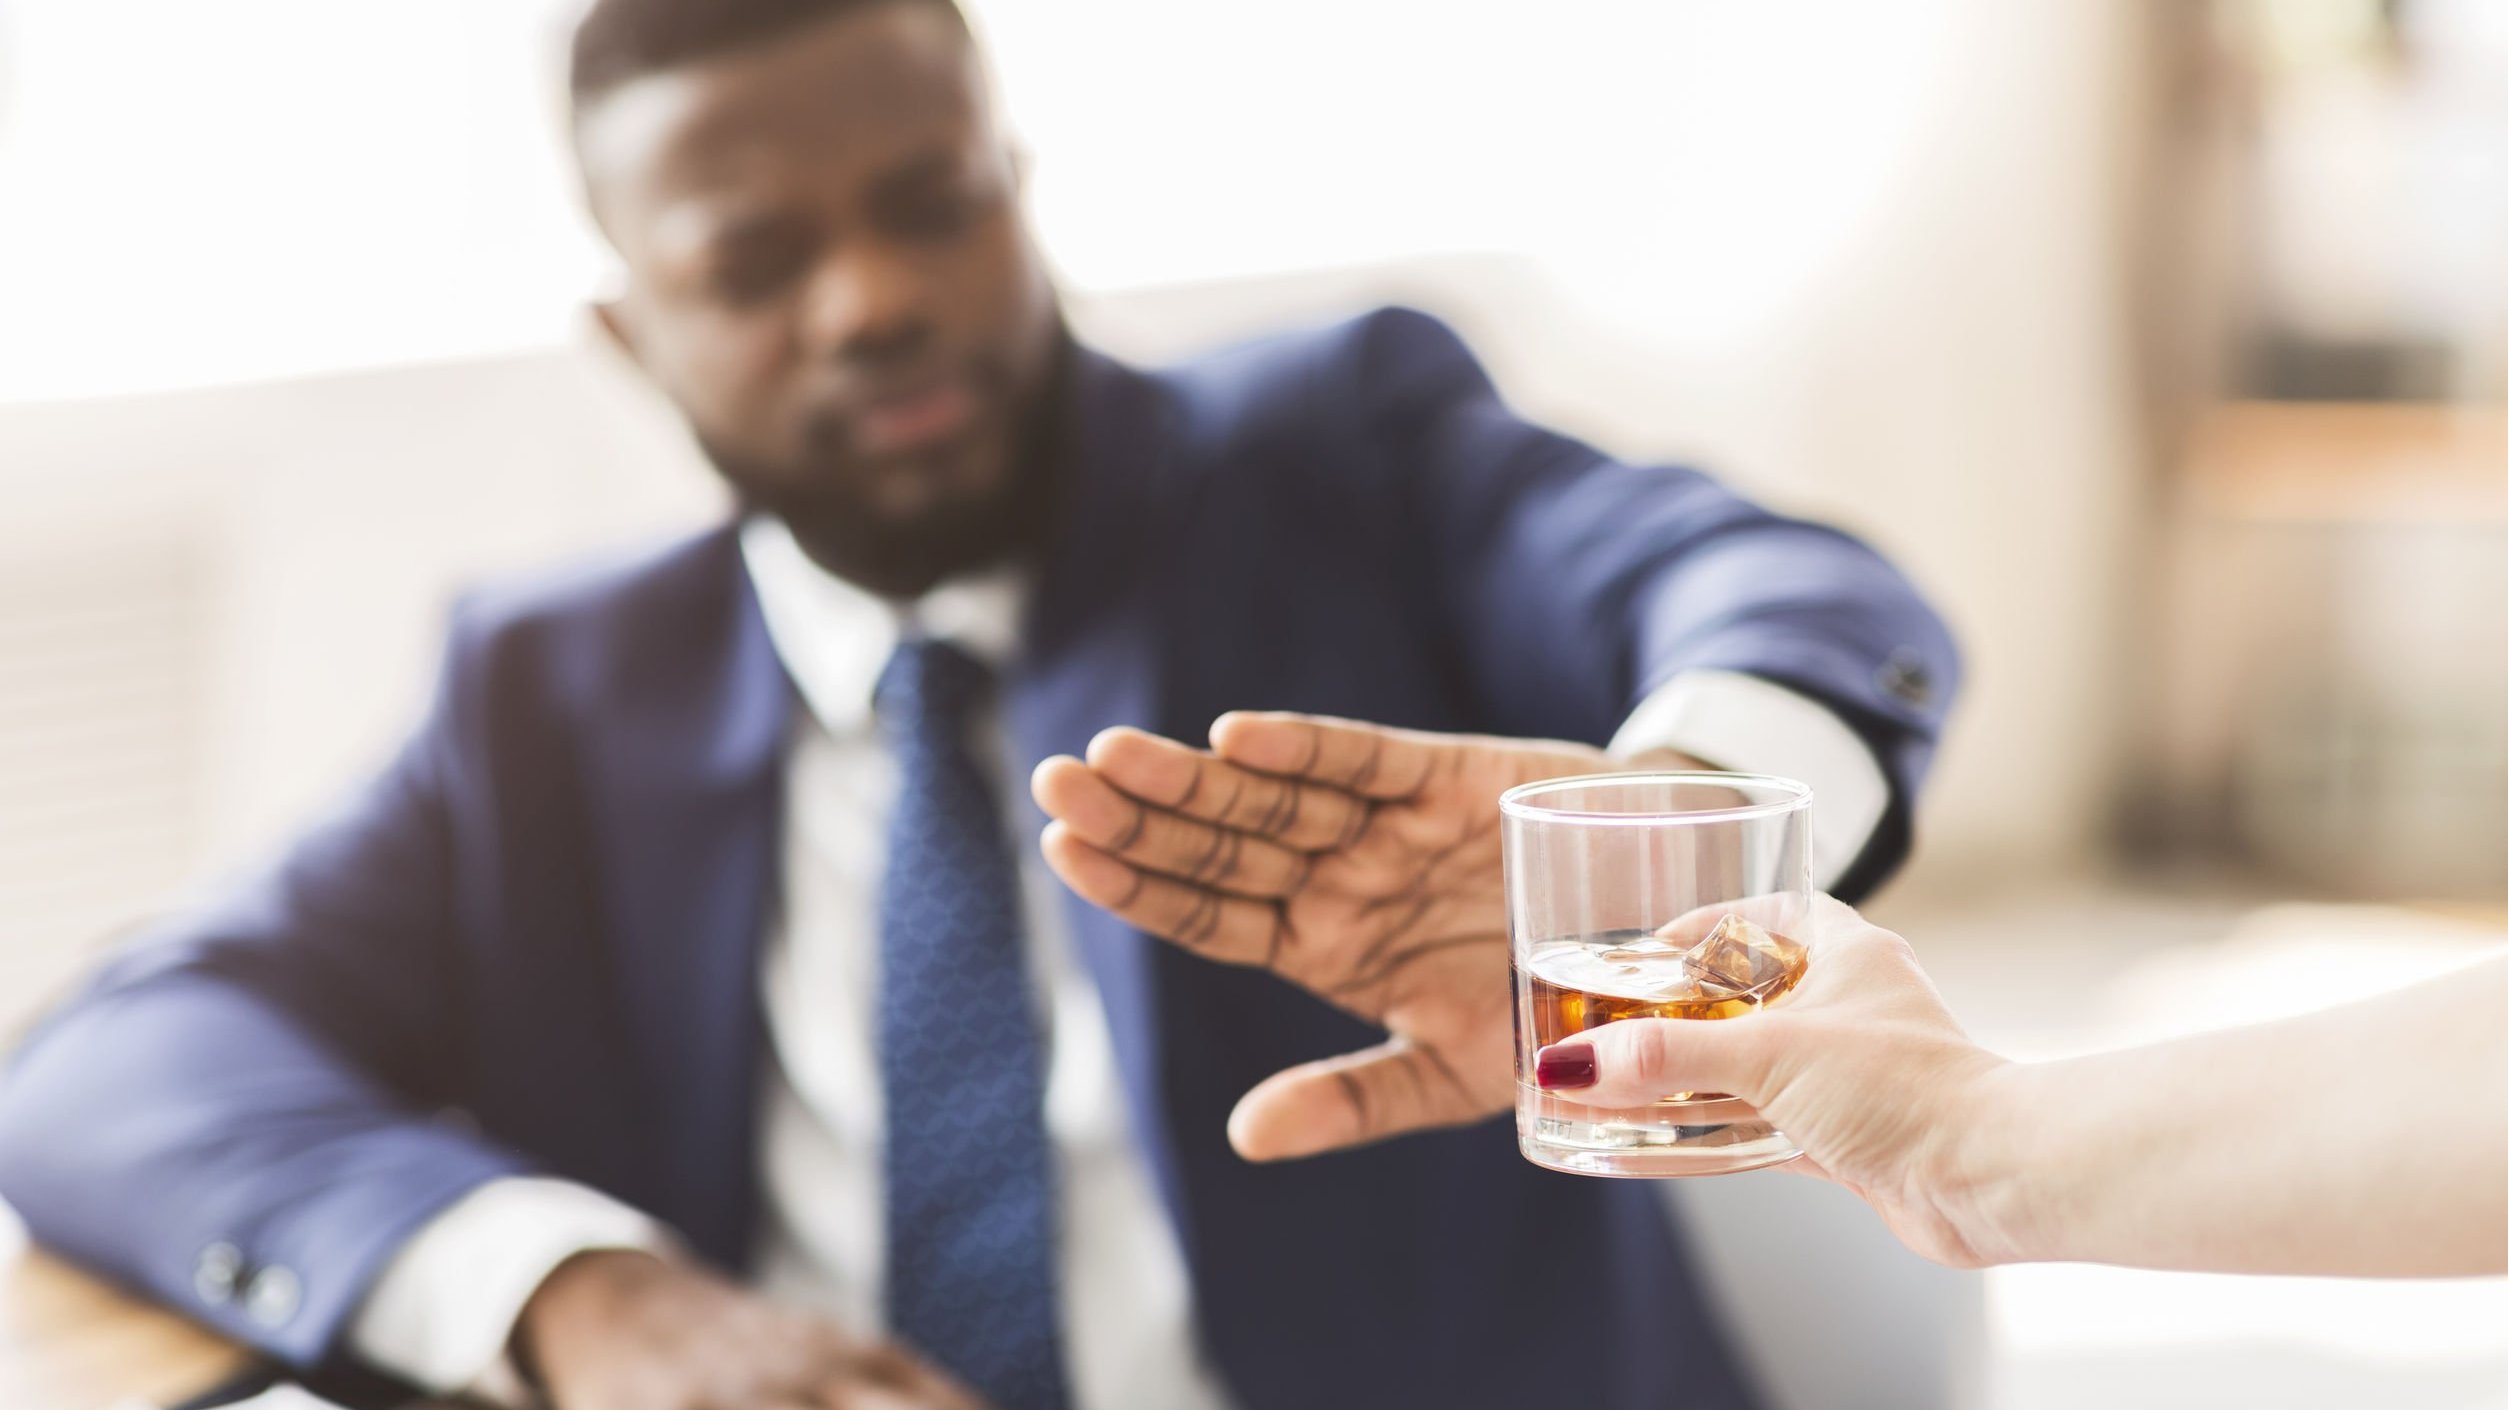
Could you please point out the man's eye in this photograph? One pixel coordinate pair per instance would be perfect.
(753, 265)
(936, 214)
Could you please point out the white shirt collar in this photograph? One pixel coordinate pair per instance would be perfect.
(835, 639)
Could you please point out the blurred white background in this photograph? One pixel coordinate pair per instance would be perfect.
(289, 187)
(290, 346)
(1864, 262)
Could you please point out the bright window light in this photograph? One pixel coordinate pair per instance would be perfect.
(200, 193)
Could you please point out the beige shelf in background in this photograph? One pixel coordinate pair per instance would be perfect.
(2343, 463)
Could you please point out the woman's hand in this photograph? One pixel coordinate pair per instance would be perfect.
(1861, 1066)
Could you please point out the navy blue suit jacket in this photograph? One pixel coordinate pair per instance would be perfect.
(531, 943)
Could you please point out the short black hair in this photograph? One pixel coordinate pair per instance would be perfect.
(620, 41)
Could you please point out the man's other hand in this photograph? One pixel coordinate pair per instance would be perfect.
(630, 1331)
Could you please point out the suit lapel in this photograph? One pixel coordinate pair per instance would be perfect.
(693, 833)
(1090, 662)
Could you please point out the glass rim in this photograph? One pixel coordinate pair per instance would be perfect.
(1517, 802)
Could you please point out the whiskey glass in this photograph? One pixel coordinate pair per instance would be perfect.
(1683, 896)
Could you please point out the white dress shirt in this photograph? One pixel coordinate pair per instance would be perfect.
(445, 1307)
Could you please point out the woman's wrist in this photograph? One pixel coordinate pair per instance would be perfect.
(1987, 1181)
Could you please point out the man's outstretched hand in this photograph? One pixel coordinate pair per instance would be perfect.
(1357, 861)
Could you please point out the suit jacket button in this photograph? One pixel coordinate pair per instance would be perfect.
(214, 1276)
(1905, 679)
(273, 1297)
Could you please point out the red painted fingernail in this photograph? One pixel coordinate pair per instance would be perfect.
(1563, 1066)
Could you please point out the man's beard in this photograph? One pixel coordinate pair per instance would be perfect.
(896, 556)
(893, 556)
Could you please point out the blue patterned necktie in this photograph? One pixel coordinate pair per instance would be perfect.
(971, 1281)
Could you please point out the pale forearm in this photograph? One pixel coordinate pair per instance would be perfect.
(2370, 1139)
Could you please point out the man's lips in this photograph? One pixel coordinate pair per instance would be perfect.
(892, 423)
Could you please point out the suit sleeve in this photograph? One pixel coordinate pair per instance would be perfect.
(1577, 585)
(237, 1116)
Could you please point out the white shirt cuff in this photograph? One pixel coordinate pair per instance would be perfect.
(443, 1313)
(1747, 725)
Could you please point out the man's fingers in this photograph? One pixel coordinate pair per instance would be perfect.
(852, 1394)
(888, 1378)
(1369, 760)
(1197, 785)
(1640, 1060)
(1351, 1100)
(1210, 923)
(887, 1364)
(1197, 852)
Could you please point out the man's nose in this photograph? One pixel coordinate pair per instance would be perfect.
(866, 304)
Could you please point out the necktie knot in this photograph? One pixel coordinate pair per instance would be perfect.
(931, 682)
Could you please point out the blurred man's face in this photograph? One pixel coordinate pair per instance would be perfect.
(829, 273)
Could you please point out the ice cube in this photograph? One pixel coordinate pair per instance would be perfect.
(1742, 958)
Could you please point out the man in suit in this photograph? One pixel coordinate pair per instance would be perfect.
(686, 1017)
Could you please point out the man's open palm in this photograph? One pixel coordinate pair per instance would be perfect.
(1357, 861)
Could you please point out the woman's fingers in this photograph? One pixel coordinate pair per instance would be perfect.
(1640, 1060)
(1805, 1165)
(1780, 913)
(1636, 1061)
(1855, 968)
